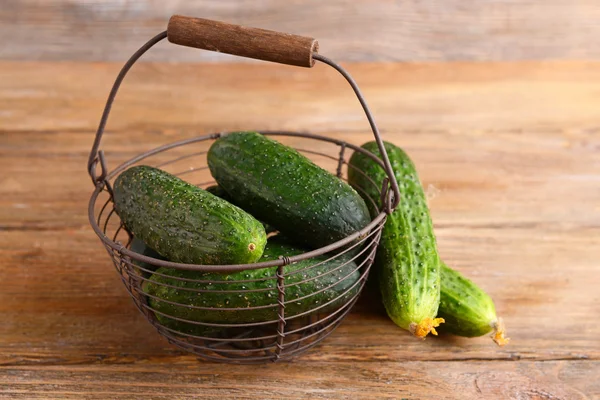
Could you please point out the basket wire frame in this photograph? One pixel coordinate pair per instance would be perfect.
(255, 339)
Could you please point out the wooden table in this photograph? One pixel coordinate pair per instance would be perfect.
(509, 153)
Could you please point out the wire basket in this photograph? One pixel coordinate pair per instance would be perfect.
(288, 321)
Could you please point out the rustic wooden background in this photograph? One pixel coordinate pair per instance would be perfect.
(350, 30)
(499, 108)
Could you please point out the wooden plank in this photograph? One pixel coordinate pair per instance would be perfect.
(316, 380)
(474, 189)
(63, 302)
(405, 98)
(349, 30)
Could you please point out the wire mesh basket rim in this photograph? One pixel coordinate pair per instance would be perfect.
(123, 251)
(292, 273)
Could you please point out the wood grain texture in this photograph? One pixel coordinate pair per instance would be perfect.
(185, 378)
(348, 30)
(516, 98)
(508, 154)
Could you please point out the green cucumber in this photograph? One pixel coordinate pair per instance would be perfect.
(407, 261)
(467, 309)
(184, 223)
(283, 188)
(220, 192)
(343, 284)
(141, 248)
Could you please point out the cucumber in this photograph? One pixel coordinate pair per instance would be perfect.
(407, 261)
(467, 309)
(220, 192)
(141, 248)
(342, 280)
(184, 223)
(283, 188)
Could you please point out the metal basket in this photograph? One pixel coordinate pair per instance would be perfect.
(277, 335)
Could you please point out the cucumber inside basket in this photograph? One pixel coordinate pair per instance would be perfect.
(248, 246)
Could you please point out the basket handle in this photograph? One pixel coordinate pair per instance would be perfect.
(261, 44)
(246, 42)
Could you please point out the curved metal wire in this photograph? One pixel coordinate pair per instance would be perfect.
(236, 267)
(393, 202)
(93, 158)
(249, 342)
(286, 333)
(268, 277)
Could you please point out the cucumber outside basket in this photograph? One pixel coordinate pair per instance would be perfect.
(283, 333)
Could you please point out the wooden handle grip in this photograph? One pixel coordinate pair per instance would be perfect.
(241, 41)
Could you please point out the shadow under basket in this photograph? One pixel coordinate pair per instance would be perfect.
(288, 320)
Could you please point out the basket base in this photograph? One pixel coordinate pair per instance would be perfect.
(259, 345)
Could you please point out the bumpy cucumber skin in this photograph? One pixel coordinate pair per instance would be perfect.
(466, 308)
(220, 192)
(407, 261)
(184, 223)
(283, 188)
(342, 280)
